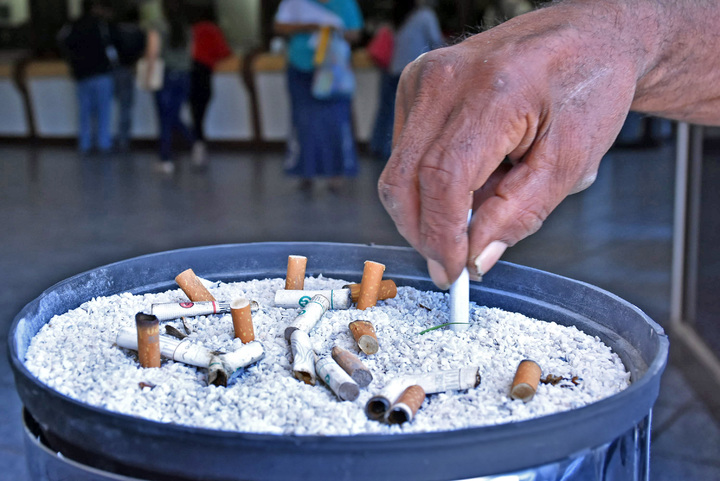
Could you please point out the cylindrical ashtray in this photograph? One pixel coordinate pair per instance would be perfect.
(148, 339)
(364, 334)
(242, 319)
(527, 378)
(309, 316)
(339, 298)
(615, 429)
(295, 277)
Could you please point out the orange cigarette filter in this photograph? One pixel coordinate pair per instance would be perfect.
(295, 278)
(148, 333)
(370, 284)
(192, 287)
(388, 290)
(364, 334)
(411, 397)
(527, 378)
(242, 319)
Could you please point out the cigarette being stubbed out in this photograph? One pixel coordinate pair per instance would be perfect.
(526, 380)
(304, 357)
(295, 278)
(406, 406)
(148, 339)
(309, 316)
(242, 319)
(364, 334)
(388, 290)
(352, 365)
(193, 287)
(337, 379)
(370, 284)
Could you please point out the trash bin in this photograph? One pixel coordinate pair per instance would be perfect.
(606, 440)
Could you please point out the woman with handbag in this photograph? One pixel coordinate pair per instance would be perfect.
(320, 83)
(167, 71)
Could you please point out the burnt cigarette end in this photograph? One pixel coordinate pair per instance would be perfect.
(527, 378)
(295, 278)
(192, 287)
(219, 378)
(352, 365)
(376, 408)
(399, 415)
(288, 332)
(305, 377)
(370, 284)
(148, 339)
(348, 391)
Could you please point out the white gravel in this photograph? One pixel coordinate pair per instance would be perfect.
(75, 354)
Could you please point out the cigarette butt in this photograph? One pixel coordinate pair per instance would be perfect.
(388, 290)
(295, 278)
(526, 380)
(370, 284)
(364, 334)
(242, 319)
(309, 316)
(406, 406)
(337, 379)
(148, 339)
(192, 287)
(304, 357)
(379, 404)
(352, 365)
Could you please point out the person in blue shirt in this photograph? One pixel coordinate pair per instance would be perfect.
(321, 142)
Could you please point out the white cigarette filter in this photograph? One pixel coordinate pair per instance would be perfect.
(309, 315)
(291, 298)
(176, 310)
(221, 367)
(450, 380)
(303, 357)
(379, 404)
(460, 298)
(337, 379)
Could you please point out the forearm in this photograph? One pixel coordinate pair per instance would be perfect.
(287, 29)
(676, 47)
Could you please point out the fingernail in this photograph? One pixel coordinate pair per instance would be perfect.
(438, 275)
(488, 257)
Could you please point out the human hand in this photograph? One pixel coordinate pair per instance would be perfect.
(548, 90)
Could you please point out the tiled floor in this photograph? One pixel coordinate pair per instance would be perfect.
(62, 215)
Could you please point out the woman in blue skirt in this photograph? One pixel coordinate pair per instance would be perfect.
(321, 142)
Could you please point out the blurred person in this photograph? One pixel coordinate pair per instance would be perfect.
(512, 120)
(87, 44)
(130, 42)
(417, 30)
(208, 48)
(321, 141)
(168, 38)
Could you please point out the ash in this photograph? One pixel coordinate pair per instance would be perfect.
(75, 354)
